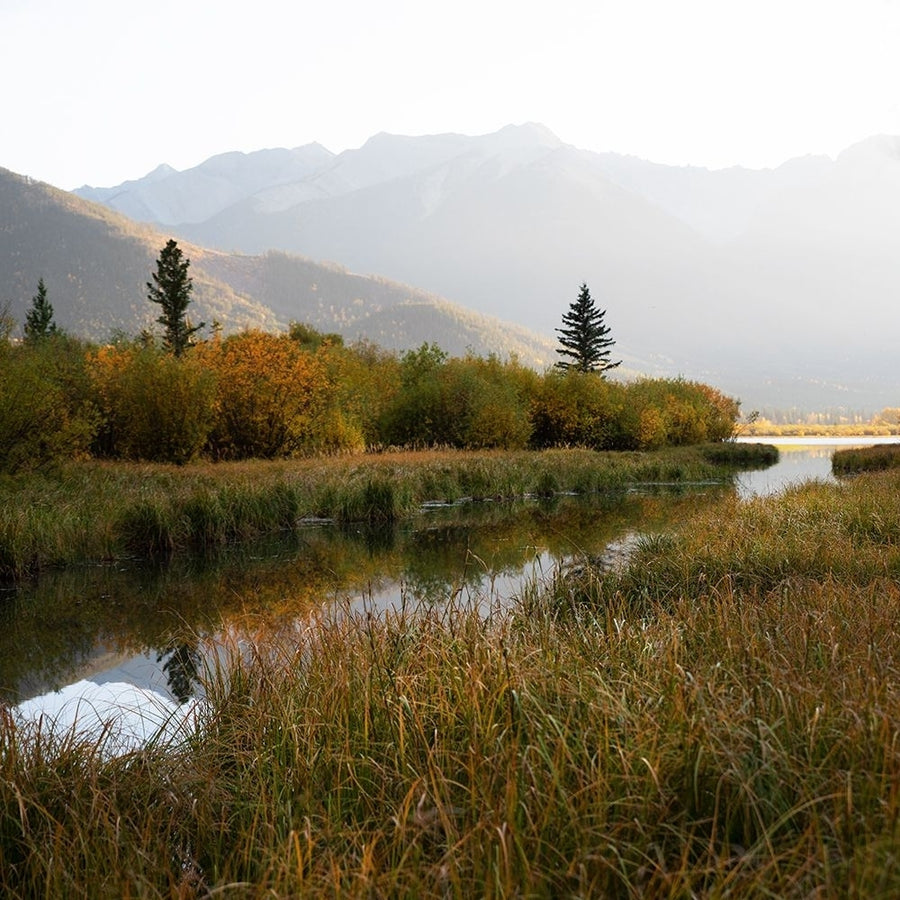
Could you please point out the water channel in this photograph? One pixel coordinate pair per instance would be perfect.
(94, 639)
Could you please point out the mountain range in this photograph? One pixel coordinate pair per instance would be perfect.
(774, 284)
(96, 262)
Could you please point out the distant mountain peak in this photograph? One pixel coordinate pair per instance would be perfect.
(160, 173)
(533, 132)
(879, 147)
(163, 170)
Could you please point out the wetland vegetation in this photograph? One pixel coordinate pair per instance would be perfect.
(718, 717)
(715, 714)
(866, 459)
(97, 510)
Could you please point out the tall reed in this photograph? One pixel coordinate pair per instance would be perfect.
(746, 745)
(100, 510)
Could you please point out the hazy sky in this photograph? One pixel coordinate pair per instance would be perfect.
(100, 91)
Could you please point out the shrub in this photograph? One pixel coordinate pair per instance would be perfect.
(467, 402)
(362, 382)
(155, 406)
(672, 411)
(489, 402)
(269, 393)
(576, 408)
(417, 415)
(45, 414)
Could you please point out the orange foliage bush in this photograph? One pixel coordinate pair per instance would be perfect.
(269, 394)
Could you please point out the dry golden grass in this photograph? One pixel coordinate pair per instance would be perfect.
(734, 734)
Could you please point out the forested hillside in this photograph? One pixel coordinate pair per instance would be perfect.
(95, 264)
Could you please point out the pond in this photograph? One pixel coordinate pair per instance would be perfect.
(87, 641)
(140, 623)
(799, 459)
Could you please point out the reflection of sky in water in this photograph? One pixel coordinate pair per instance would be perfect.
(800, 459)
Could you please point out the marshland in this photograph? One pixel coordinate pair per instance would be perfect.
(715, 717)
(712, 711)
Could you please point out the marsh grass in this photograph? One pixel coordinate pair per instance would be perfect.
(745, 745)
(850, 533)
(101, 510)
(866, 459)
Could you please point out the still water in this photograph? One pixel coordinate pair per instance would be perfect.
(799, 459)
(134, 634)
(143, 624)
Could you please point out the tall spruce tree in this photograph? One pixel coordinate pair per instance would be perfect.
(584, 337)
(171, 289)
(39, 319)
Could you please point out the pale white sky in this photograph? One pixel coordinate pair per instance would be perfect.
(100, 91)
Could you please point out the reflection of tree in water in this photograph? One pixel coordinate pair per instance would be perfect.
(181, 669)
(378, 538)
(45, 640)
(440, 561)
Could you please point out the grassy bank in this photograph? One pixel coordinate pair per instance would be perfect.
(817, 532)
(720, 718)
(106, 510)
(866, 459)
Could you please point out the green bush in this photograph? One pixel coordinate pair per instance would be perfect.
(155, 406)
(467, 402)
(45, 415)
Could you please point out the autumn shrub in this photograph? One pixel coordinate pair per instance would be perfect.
(576, 408)
(673, 411)
(45, 412)
(155, 406)
(720, 411)
(585, 409)
(362, 381)
(269, 393)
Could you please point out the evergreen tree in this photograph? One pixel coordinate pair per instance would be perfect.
(39, 319)
(171, 289)
(584, 337)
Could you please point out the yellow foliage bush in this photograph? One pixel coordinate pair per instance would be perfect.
(269, 394)
(153, 405)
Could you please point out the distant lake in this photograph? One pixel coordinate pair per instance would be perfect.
(800, 459)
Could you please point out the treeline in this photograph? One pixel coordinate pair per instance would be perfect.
(265, 395)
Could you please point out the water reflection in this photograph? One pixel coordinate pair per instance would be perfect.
(796, 464)
(800, 459)
(145, 625)
(182, 665)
